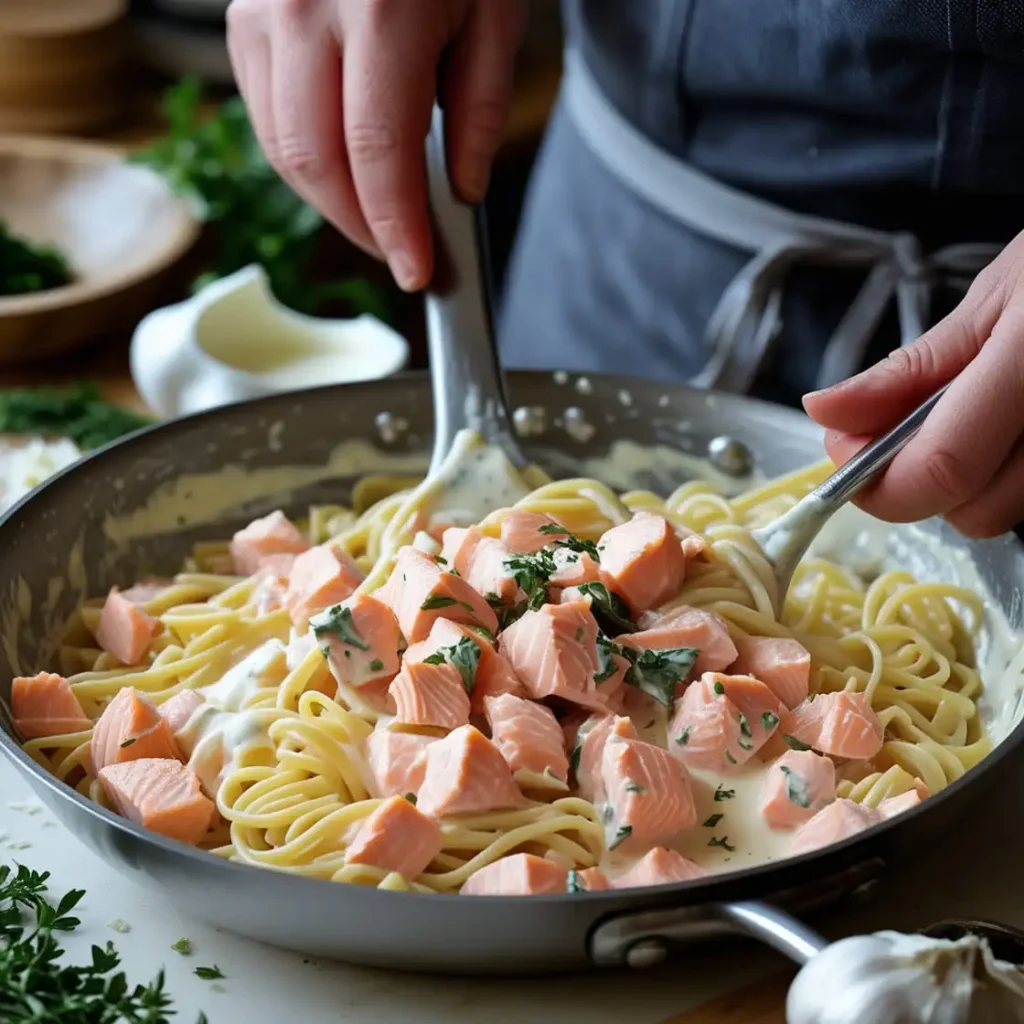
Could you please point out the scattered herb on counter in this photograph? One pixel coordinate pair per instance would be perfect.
(36, 985)
(213, 973)
(713, 820)
(338, 622)
(722, 842)
(216, 163)
(183, 947)
(77, 413)
(721, 793)
(27, 267)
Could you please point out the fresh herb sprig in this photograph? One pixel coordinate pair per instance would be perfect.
(27, 267)
(465, 656)
(337, 621)
(216, 163)
(36, 985)
(656, 673)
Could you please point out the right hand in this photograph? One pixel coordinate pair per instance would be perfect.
(340, 95)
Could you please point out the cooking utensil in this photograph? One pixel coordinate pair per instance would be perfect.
(120, 227)
(785, 540)
(105, 522)
(469, 393)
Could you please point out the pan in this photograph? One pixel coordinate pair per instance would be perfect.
(138, 506)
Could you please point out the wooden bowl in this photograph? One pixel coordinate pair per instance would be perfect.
(120, 227)
(62, 65)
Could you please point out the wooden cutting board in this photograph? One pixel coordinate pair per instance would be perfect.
(62, 65)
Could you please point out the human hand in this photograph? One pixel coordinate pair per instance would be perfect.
(340, 94)
(967, 461)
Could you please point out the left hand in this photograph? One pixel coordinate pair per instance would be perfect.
(967, 461)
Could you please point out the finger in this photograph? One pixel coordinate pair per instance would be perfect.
(309, 150)
(965, 439)
(390, 80)
(1000, 506)
(885, 393)
(249, 50)
(478, 92)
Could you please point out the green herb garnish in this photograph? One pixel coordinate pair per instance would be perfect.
(572, 879)
(719, 689)
(609, 609)
(376, 665)
(37, 984)
(411, 797)
(182, 947)
(744, 743)
(658, 673)
(621, 835)
(436, 601)
(723, 842)
(721, 793)
(769, 721)
(730, 758)
(485, 633)
(441, 560)
(552, 528)
(337, 621)
(606, 666)
(713, 820)
(128, 742)
(684, 737)
(794, 744)
(465, 656)
(796, 788)
(531, 573)
(632, 787)
(27, 267)
(213, 973)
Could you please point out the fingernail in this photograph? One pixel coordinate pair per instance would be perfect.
(404, 269)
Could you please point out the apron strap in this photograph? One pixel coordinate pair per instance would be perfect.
(746, 321)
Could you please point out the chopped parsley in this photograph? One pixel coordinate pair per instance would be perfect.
(721, 793)
(465, 656)
(552, 528)
(531, 573)
(713, 820)
(722, 842)
(606, 666)
(632, 787)
(574, 756)
(719, 689)
(579, 633)
(769, 721)
(684, 737)
(436, 601)
(213, 973)
(730, 758)
(441, 560)
(338, 622)
(411, 797)
(572, 880)
(128, 742)
(794, 744)
(325, 650)
(621, 835)
(609, 609)
(376, 665)
(182, 947)
(570, 541)
(745, 743)
(656, 673)
(796, 788)
(485, 633)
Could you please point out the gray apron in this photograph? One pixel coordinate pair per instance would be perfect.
(682, 219)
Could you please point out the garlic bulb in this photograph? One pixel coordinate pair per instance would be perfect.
(889, 978)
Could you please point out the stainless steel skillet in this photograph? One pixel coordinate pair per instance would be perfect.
(65, 532)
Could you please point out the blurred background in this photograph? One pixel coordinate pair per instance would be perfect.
(153, 77)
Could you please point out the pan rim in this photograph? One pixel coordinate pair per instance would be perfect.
(757, 881)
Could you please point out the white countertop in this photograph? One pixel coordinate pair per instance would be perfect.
(977, 874)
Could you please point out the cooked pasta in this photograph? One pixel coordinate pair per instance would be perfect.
(280, 743)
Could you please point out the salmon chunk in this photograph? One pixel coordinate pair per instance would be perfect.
(493, 675)
(686, 627)
(553, 651)
(419, 592)
(783, 665)
(648, 794)
(842, 724)
(161, 795)
(894, 805)
(274, 534)
(45, 705)
(659, 867)
(522, 874)
(796, 787)
(527, 532)
(839, 820)
(427, 694)
(178, 710)
(397, 761)
(480, 561)
(722, 721)
(591, 880)
(643, 561)
(131, 728)
(146, 590)
(125, 630)
(277, 567)
(319, 577)
(588, 754)
(574, 568)
(528, 736)
(361, 638)
(466, 774)
(396, 837)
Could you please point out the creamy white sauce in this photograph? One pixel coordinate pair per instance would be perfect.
(264, 667)
(215, 741)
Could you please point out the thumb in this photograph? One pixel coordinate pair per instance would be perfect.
(881, 396)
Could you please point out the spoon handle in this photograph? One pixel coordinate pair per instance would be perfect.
(852, 477)
(466, 377)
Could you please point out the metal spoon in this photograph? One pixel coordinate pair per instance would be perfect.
(469, 392)
(786, 540)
